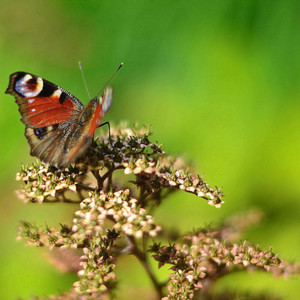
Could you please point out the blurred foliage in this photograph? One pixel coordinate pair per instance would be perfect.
(218, 81)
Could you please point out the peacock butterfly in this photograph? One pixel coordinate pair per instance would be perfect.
(59, 128)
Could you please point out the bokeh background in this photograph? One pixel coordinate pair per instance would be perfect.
(217, 80)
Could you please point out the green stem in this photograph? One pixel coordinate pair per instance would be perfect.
(141, 256)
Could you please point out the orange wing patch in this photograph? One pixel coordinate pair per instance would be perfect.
(45, 111)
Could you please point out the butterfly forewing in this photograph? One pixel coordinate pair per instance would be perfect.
(41, 103)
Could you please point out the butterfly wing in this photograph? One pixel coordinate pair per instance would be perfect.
(47, 143)
(103, 105)
(48, 112)
(41, 103)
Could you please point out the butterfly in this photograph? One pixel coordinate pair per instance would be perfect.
(58, 127)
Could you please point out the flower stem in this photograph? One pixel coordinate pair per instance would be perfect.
(141, 256)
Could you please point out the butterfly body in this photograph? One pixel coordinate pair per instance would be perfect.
(59, 128)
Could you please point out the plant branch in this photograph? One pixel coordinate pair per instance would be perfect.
(141, 256)
(99, 179)
(66, 200)
(108, 174)
(85, 187)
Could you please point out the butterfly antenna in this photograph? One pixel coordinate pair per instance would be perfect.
(113, 75)
(81, 70)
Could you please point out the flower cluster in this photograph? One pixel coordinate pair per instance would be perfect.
(131, 150)
(123, 210)
(46, 182)
(203, 258)
(233, 227)
(45, 236)
(96, 275)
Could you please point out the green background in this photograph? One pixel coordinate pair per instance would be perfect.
(218, 81)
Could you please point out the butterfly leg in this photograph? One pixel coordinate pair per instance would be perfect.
(106, 123)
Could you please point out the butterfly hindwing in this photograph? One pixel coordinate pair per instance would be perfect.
(52, 143)
(45, 142)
